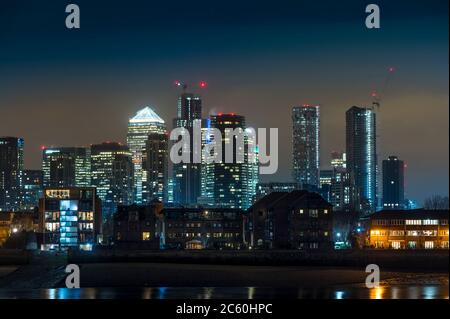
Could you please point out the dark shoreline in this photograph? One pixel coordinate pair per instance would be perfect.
(406, 260)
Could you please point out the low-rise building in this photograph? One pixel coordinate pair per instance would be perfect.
(138, 226)
(5, 226)
(203, 228)
(70, 217)
(290, 220)
(409, 229)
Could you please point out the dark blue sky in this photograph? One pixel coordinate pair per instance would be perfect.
(76, 87)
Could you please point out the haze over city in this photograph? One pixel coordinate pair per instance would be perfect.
(66, 88)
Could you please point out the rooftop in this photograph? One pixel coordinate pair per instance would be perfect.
(411, 214)
(146, 115)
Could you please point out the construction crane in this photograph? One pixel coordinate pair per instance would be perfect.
(377, 96)
(184, 86)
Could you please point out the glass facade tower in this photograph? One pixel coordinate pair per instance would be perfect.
(306, 161)
(144, 123)
(11, 169)
(362, 154)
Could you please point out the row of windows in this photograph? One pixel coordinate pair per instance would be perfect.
(411, 245)
(385, 222)
(313, 234)
(409, 233)
(66, 227)
(81, 215)
(198, 225)
(208, 235)
(313, 212)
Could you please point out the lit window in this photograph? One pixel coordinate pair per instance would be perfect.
(145, 235)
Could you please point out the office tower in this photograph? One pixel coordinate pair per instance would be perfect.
(362, 154)
(187, 176)
(233, 184)
(156, 165)
(32, 187)
(70, 217)
(326, 175)
(343, 194)
(393, 183)
(112, 175)
(338, 160)
(145, 122)
(66, 166)
(305, 143)
(11, 167)
(325, 181)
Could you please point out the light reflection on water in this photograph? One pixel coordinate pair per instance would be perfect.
(353, 292)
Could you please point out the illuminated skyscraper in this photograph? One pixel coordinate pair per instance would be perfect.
(112, 175)
(393, 183)
(362, 154)
(140, 127)
(187, 176)
(338, 160)
(306, 124)
(11, 167)
(231, 185)
(66, 166)
(155, 164)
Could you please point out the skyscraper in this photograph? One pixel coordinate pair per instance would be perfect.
(362, 154)
(393, 183)
(187, 176)
(338, 160)
(344, 196)
(156, 165)
(145, 122)
(66, 167)
(11, 167)
(306, 123)
(112, 175)
(32, 187)
(231, 185)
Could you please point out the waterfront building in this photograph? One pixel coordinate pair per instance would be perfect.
(290, 220)
(70, 217)
(203, 228)
(409, 229)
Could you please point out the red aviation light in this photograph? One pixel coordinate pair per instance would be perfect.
(203, 84)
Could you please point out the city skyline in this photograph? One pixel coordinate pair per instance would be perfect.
(249, 69)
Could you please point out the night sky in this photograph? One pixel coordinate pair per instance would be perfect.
(76, 87)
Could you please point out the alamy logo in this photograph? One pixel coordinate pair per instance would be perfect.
(373, 19)
(240, 146)
(73, 19)
(73, 279)
(373, 279)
